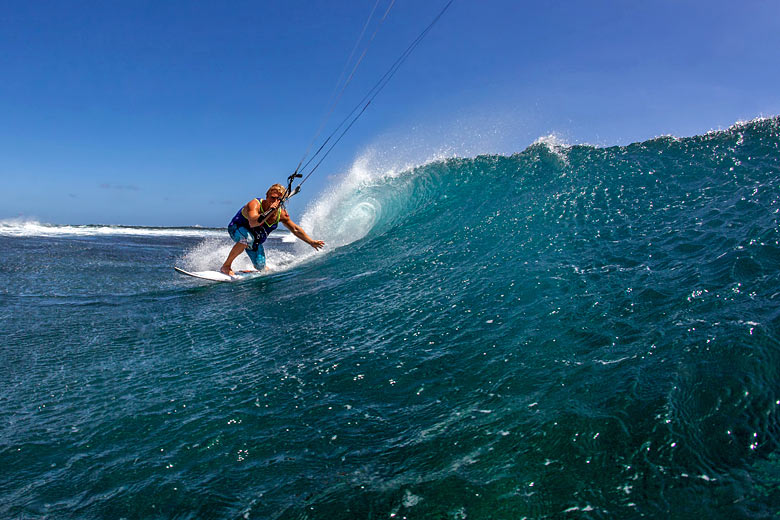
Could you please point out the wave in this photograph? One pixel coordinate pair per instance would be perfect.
(23, 228)
(627, 292)
(368, 195)
(550, 182)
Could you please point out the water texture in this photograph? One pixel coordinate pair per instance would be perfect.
(569, 331)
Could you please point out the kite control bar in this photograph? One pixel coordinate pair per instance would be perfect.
(290, 191)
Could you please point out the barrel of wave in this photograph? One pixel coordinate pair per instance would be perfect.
(347, 211)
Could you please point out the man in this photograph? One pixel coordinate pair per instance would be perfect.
(249, 229)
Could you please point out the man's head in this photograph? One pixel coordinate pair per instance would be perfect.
(276, 191)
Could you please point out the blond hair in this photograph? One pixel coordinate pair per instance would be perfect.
(277, 187)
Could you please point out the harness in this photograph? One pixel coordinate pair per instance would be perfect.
(262, 231)
(259, 233)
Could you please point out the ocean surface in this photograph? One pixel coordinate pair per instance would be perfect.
(567, 332)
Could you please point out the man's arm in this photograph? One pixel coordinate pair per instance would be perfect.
(298, 231)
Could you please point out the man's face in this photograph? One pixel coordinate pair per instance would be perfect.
(273, 196)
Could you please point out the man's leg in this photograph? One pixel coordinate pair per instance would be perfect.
(257, 257)
(226, 268)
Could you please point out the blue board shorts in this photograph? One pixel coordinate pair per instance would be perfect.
(242, 235)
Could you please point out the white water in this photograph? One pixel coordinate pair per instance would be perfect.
(32, 228)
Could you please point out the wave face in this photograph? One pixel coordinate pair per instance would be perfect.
(568, 331)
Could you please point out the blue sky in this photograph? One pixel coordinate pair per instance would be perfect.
(177, 112)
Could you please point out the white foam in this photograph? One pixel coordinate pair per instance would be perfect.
(209, 254)
(552, 141)
(741, 124)
(33, 228)
(555, 145)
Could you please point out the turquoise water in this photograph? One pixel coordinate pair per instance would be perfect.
(572, 332)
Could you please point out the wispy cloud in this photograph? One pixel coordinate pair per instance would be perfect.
(120, 187)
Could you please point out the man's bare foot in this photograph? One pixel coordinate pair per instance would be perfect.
(226, 270)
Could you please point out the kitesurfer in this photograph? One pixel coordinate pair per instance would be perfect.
(255, 221)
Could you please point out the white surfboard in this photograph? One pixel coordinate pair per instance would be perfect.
(216, 276)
